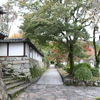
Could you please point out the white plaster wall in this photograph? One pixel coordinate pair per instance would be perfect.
(39, 58)
(27, 51)
(16, 49)
(3, 49)
(34, 55)
(31, 53)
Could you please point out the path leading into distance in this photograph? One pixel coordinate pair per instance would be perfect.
(50, 87)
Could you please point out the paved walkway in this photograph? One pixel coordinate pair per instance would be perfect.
(50, 91)
(51, 76)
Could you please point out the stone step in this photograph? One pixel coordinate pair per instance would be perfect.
(11, 81)
(18, 89)
(7, 79)
(11, 86)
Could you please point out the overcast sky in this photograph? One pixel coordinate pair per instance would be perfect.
(3, 2)
(14, 28)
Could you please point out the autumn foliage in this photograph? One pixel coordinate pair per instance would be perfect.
(88, 49)
(56, 55)
(17, 35)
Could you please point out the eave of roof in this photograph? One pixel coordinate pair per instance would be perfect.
(1, 11)
(2, 35)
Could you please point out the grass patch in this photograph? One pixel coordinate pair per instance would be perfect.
(97, 98)
(96, 78)
(62, 71)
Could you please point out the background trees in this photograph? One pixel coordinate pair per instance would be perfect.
(95, 18)
(8, 18)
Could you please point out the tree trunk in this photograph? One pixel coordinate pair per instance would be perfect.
(97, 60)
(95, 49)
(71, 59)
(58, 61)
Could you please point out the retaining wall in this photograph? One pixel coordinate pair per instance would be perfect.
(19, 66)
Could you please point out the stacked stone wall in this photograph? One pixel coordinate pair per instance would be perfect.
(19, 66)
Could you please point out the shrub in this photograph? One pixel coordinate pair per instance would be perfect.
(34, 71)
(95, 72)
(83, 73)
(81, 65)
(67, 69)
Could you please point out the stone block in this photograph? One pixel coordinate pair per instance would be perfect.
(95, 83)
(18, 58)
(81, 83)
(10, 62)
(26, 70)
(8, 66)
(2, 59)
(16, 67)
(16, 73)
(4, 62)
(1, 74)
(67, 82)
(10, 58)
(26, 66)
(21, 62)
(18, 70)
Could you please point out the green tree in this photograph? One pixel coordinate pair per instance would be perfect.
(56, 20)
(8, 18)
(95, 18)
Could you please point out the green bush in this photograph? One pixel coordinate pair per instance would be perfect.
(67, 69)
(83, 73)
(35, 72)
(81, 65)
(95, 72)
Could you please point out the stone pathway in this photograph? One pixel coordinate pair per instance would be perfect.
(51, 76)
(50, 91)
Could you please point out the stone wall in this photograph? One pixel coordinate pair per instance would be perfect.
(19, 66)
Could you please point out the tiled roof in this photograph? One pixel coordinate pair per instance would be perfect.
(20, 40)
(12, 40)
(3, 34)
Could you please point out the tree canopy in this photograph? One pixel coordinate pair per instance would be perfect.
(55, 20)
